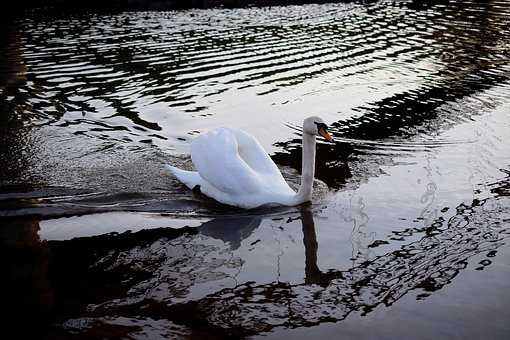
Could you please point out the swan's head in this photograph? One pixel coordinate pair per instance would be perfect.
(315, 126)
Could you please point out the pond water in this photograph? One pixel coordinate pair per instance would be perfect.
(410, 240)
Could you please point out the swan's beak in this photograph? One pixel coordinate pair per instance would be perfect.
(324, 133)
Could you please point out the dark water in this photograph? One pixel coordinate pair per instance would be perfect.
(407, 236)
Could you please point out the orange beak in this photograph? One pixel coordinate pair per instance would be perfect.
(325, 134)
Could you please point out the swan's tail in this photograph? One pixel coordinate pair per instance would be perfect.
(189, 178)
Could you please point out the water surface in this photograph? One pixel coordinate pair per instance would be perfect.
(408, 241)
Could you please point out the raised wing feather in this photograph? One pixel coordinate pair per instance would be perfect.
(257, 159)
(235, 163)
(253, 153)
(216, 158)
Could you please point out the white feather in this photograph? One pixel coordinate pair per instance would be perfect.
(234, 169)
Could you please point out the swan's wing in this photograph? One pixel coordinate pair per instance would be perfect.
(216, 157)
(256, 158)
(253, 153)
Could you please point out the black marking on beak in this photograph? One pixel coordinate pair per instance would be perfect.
(323, 131)
(321, 125)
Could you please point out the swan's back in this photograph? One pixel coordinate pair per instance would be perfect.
(235, 163)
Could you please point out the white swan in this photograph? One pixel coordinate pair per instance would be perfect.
(234, 169)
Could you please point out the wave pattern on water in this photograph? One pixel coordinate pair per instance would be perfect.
(416, 94)
(109, 86)
(97, 74)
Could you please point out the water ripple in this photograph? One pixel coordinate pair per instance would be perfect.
(190, 60)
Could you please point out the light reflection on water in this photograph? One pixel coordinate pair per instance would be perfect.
(417, 97)
(159, 77)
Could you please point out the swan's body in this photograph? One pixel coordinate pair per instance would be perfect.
(234, 169)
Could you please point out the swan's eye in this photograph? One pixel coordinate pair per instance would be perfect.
(321, 126)
(322, 129)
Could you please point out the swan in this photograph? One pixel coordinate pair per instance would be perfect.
(234, 169)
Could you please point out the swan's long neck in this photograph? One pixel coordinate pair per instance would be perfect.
(304, 193)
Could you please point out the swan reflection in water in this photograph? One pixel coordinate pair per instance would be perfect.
(191, 277)
(427, 264)
(231, 230)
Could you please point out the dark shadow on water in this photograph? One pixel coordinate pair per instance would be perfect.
(231, 230)
(47, 281)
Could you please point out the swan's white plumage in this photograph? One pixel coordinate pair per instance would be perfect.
(233, 168)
